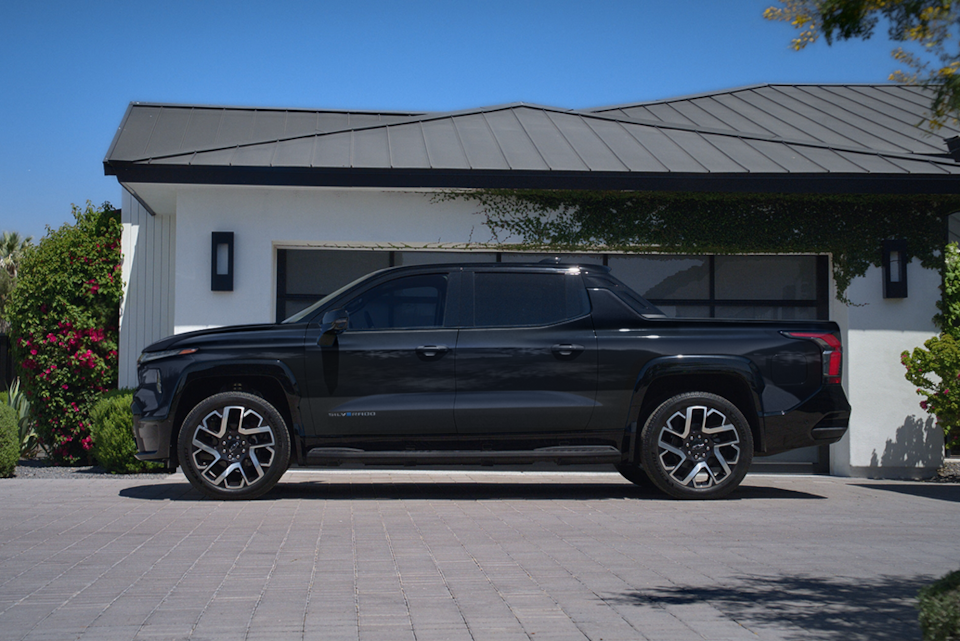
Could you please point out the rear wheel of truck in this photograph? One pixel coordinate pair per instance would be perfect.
(696, 445)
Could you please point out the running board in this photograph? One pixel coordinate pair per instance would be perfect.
(573, 454)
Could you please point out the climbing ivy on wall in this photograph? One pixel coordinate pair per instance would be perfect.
(850, 227)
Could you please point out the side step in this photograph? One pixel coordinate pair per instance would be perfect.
(574, 454)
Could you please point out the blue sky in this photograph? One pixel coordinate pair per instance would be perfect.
(69, 69)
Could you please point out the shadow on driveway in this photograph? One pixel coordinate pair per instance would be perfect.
(464, 490)
(940, 492)
(878, 609)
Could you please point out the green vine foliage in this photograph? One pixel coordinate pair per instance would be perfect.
(850, 227)
(64, 316)
(935, 367)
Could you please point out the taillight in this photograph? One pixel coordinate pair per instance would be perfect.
(831, 352)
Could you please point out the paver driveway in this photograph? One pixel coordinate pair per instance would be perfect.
(470, 555)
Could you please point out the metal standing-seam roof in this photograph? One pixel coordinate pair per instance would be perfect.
(879, 117)
(760, 139)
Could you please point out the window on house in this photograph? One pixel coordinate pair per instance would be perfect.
(747, 287)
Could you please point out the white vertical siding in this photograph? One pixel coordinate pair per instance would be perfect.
(146, 314)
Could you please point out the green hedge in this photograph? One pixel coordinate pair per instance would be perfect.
(939, 605)
(111, 423)
(9, 441)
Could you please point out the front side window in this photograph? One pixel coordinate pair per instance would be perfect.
(409, 302)
(517, 299)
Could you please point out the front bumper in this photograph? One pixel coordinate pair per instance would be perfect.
(820, 420)
(153, 439)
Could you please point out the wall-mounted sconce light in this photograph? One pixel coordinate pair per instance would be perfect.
(895, 269)
(221, 269)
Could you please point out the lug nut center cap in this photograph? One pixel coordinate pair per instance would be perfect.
(697, 447)
(233, 448)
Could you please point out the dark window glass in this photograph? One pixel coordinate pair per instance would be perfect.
(527, 299)
(411, 302)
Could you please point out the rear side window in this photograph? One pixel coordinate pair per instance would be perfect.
(515, 299)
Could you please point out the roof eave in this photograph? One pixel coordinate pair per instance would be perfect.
(785, 183)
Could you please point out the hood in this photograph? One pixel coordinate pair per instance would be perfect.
(209, 336)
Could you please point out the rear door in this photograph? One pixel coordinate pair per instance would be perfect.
(526, 356)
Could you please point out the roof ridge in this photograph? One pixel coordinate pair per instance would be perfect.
(707, 94)
(421, 118)
(398, 112)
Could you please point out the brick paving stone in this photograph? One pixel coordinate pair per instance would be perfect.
(358, 555)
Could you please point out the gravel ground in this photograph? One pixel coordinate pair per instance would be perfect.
(41, 469)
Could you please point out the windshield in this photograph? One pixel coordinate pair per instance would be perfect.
(301, 315)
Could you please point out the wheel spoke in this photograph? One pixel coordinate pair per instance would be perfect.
(697, 446)
(232, 447)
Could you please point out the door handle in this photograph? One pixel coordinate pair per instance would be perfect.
(432, 352)
(566, 350)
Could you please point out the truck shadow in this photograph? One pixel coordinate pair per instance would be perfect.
(320, 490)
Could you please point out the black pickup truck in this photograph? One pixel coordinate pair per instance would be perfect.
(489, 364)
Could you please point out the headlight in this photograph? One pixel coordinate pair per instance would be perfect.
(146, 357)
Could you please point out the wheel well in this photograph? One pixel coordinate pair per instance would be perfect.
(265, 387)
(732, 388)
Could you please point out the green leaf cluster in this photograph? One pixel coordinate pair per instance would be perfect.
(928, 26)
(64, 316)
(850, 227)
(939, 606)
(935, 367)
(17, 399)
(111, 423)
(9, 442)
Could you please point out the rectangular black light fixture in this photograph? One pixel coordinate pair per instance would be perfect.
(895, 268)
(221, 263)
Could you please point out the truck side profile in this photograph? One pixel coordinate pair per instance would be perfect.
(489, 364)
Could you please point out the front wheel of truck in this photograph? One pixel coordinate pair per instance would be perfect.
(233, 445)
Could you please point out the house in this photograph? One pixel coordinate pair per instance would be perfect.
(245, 215)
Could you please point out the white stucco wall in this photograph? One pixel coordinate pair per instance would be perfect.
(889, 436)
(264, 219)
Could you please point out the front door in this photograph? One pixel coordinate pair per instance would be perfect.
(391, 372)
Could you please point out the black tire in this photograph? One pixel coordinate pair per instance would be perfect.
(233, 446)
(696, 446)
(634, 474)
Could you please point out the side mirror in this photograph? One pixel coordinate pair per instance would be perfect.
(334, 322)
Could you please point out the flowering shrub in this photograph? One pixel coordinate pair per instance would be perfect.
(64, 316)
(935, 367)
(939, 356)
